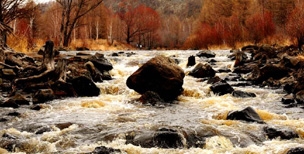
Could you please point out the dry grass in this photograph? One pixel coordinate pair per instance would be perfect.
(21, 44)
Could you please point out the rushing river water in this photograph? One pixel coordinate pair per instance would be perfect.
(104, 120)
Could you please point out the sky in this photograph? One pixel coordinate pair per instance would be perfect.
(42, 1)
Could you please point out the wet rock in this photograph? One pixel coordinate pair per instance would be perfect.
(104, 150)
(3, 120)
(162, 138)
(202, 71)
(62, 126)
(167, 138)
(19, 99)
(14, 114)
(100, 62)
(299, 97)
(151, 97)
(248, 114)
(297, 150)
(271, 71)
(9, 103)
(43, 95)
(242, 94)
(224, 70)
(36, 107)
(84, 86)
(214, 80)
(191, 61)
(95, 74)
(106, 75)
(288, 99)
(221, 88)
(43, 130)
(273, 133)
(243, 69)
(161, 75)
(206, 53)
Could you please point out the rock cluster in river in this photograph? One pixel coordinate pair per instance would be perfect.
(40, 78)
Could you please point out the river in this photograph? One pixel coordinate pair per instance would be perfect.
(104, 120)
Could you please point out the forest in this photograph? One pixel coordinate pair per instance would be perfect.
(151, 24)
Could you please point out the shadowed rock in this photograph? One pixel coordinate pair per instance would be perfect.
(248, 114)
(161, 75)
(202, 71)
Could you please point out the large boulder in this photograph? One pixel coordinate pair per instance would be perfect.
(161, 75)
(248, 114)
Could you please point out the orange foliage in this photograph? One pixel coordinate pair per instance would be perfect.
(260, 26)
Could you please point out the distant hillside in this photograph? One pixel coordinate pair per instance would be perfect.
(181, 8)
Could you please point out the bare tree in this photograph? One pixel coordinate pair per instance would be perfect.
(9, 11)
(72, 11)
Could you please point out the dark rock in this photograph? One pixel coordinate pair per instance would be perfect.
(95, 73)
(43, 129)
(62, 126)
(150, 97)
(224, 70)
(106, 75)
(248, 114)
(63, 89)
(36, 107)
(243, 69)
(206, 53)
(191, 61)
(298, 150)
(300, 97)
(270, 71)
(221, 88)
(162, 138)
(168, 138)
(161, 75)
(214, 80)
(19, 99)
(273, 133)
(202, 71)
(43, 95)
(84, 86)
(239, 56)
(104, 150)
(100, 62)
(114, 54)
(9, 103)
(242, 94)
(3, 120)
(250, 48)
(288, 99)
(14, 114)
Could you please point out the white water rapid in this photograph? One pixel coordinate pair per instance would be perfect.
(104, 120)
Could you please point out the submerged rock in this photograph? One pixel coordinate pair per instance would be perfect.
(248, 114)
(206, 53)
(221, 88)
(242, 94)
(161, 75)
(273, 133)
(298, 150)
(151, 97)
(104, 150)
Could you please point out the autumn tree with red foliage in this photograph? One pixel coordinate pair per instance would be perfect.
(260, 26)
(295, 24)
(141, 24)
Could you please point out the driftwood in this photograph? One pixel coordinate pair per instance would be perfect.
(50, 73)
